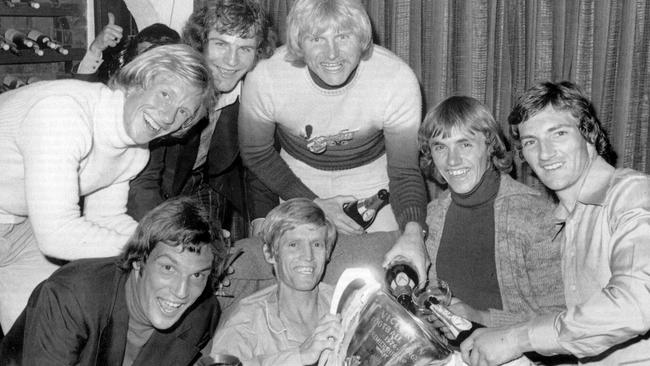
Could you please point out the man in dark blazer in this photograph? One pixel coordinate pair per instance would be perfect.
(153, 305)
(233, 36)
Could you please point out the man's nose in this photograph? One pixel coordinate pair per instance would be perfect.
(453, 157)
(307, 251)
(181, 288)
(231, 57)
(332, 49)
(546, 149)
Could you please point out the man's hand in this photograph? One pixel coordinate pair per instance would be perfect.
(495, 346)
(333, 208)
(458, 307)
(463, 310)
(110, 36)
(410, 248)
(327, 333)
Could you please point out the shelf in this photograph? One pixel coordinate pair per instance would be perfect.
(29, 57)
(46, 10)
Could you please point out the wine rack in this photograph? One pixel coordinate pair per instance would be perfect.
(47, 9)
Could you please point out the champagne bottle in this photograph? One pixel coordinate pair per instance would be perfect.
(21, 40)
(365, 210)
(401, 281)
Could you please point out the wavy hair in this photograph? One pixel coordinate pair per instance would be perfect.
(308, 17)
(178, 221)
(465, 114)
(240, 18)
(562, 96)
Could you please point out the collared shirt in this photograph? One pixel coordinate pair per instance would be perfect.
(206, 135)
(256, 334)
(606, 270)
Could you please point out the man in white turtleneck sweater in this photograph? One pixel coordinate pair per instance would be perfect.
(66, 141)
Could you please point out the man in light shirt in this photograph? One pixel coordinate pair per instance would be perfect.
(603, 221)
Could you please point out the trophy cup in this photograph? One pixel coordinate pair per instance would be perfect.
(378, 330)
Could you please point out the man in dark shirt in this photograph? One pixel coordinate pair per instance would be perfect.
(233, 36)
(150, 306)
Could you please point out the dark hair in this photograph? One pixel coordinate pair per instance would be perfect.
(562, 96)
(178, 221)
(239, 18)
(156, 34)
(462, 113)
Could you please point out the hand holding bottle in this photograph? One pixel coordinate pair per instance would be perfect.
(333, 208)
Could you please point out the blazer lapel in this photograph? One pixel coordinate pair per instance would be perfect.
(112, 340)
(224, 145)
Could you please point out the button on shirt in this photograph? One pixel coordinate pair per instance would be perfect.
(606, 272)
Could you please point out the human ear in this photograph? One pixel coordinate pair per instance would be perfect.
(268, 256)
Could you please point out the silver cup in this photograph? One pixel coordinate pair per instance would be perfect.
(380, 332)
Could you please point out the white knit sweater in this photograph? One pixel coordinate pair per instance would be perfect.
(59, 141)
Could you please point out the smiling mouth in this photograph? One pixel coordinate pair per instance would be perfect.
(227, 72)
(553, 166)
(304, 270)
(151, 123)
(332, 67)
(169, 307)
(458, 172)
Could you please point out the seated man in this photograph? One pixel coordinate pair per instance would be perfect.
(152, 305)
(490, 237)
(287, 323)
(604, 230)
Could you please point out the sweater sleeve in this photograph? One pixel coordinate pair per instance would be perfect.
(256, 138)
(53, 145)
(403, 115)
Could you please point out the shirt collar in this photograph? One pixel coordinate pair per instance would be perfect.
(274, 322)
(228, 98)
(594, 188)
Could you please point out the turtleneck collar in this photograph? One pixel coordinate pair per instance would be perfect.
(109, 120)
(137, 316)
(485, 191)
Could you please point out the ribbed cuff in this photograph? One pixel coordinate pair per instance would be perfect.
(409, 214)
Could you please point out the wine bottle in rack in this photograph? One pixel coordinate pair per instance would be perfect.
(32, 3)
(41, 38)
(59, 48)
(4, 45)
(8, 45)
(22, 41)
(12, 82)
